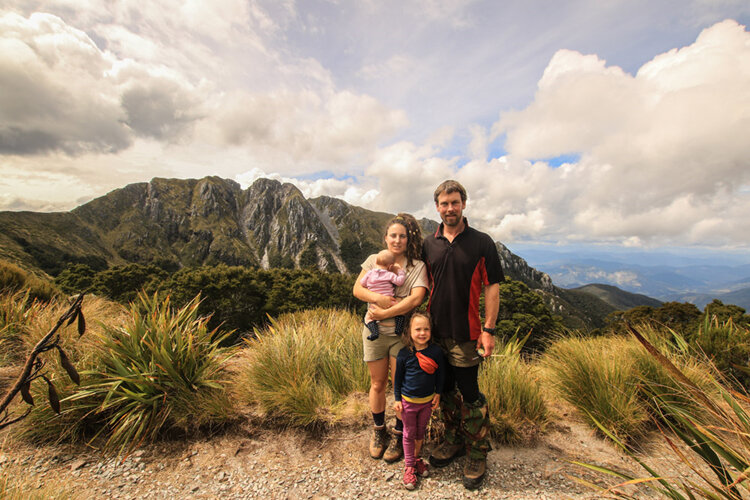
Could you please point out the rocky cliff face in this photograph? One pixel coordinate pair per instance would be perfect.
(518, 269)
(213, 220)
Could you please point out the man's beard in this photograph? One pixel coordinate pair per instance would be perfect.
(455, 218)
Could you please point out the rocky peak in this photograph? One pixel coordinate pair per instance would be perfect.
(518, 269)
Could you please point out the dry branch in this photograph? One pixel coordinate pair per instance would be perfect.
(33, 364)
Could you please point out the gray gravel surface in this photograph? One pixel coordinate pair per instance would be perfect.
(297, 465)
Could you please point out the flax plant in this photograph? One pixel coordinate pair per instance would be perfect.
(78, 417)
(163, 370)
(302, 367)
(517, 408)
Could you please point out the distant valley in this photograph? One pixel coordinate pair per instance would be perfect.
(697, 278)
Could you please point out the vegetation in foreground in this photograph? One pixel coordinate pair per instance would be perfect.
(302, 368)
(160, 370)
(602, 377)
(512, 387)
(156, 367)
(715, 432)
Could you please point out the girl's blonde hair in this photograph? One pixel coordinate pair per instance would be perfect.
(406, 334)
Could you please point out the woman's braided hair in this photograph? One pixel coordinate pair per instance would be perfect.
(413, 235)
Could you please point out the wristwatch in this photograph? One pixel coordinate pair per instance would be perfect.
(491, 331)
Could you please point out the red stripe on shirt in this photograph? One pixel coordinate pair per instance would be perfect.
(478, 282)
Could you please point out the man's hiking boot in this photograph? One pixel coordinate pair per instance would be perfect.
(378, 442)
(446, 453)
(410, 478)
(395, 451)
(422, 469)
(474, 470)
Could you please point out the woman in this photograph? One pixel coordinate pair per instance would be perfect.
(403, 238)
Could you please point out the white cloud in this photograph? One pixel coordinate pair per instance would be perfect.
(663, 153)
(308, 131)
(59, 91)
(53, 93)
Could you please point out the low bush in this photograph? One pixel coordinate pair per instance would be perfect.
(517, 409)
(715, 429)
(303, 366)
(78, 418)
(597, 377)
(727, 344)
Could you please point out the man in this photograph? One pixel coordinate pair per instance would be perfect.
(462, 262)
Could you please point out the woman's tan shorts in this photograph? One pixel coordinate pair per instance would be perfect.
(381, 347)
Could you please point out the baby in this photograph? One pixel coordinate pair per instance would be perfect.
(383, 279)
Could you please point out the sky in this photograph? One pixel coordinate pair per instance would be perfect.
(618, 122)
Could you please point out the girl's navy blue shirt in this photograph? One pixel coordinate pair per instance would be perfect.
(411, 381)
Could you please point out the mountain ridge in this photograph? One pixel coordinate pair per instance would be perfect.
(209, 221)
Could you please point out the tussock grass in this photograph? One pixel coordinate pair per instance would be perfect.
(604, 378)
(78, 419)
(18, 311)
(13, 278)
(597, 377)
(715, 428)
(517, 408)
(301, 369)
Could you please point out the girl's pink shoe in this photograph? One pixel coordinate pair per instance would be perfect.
(422, 469)
(410, 478)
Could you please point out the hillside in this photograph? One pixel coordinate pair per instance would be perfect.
(739, 297)
(179, 223)
(617, 298)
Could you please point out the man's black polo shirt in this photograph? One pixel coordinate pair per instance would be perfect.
(459, 271)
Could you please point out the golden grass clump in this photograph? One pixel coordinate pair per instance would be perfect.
(714, 428)
(605, 377)
(303, 367)
(516, 405)
(13, 278)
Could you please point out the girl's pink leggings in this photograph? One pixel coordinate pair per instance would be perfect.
(415, 417)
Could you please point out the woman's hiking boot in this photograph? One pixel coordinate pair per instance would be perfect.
(422, 469)
(395, 451)
(447, 453)
(378, 441)
(410, 478)
(474, 470)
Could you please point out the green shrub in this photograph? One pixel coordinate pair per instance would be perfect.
(597, 376)
(303, 366)
(517, 408)
(163, 370)
(715, 430)
(727, 344)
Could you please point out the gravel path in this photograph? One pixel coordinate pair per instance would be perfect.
(298, 465)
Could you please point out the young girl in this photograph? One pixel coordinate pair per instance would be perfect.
(420, 372)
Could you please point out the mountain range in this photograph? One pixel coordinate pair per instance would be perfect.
(191, 222)
(697, 277)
